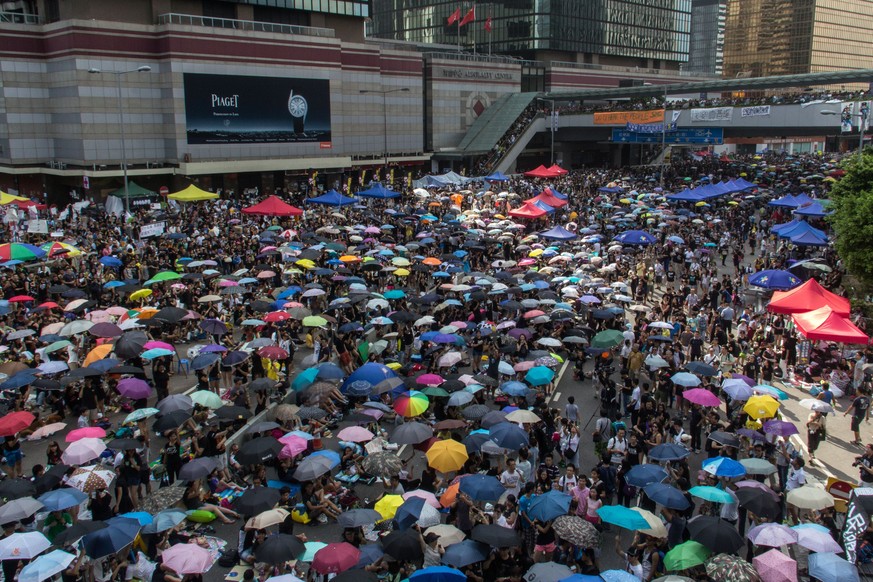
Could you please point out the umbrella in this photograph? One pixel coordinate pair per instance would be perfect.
(686, 555)
(495, 535)
(412, 403)
(14, 422)
(18, 509)
(773, 535)
(23, 545)
(774, 566)
(255, 501)
(729, 568)
(724, 467)
(828, 567)
(335, 558)
(713, 494)
(258, 450)
(170, 420)
(759, 407)
(447, 455)
(187, 559)
(686, 379)
(475, 411)
(607, 339)
(279, 548)
(438, 574)
(725, 438)
(313, 467)
(382, 464)
(175, 402)
(622, 517)
(355, 434)
(701, 368)
(758, 502)
(403, 545)
(130, 345)
(61, 499)
(207, 398)
(577, 531)
(508, 436)
(267, 518)
(465, 553)
(655, 527)
(523, 416)
(482, 487)
(118, 534)
(197, 468)
(416, 511)
(548, 506)
(90, 479)
(642, 475)
(412, 433)
(164, 520)
(547, 572)
(447, 533)
(810, 497)
(539, 376)
(134, 388)
(701, 396)
(16, 488)
(715, 533)
(814, 539)
(359, 518)
(755, 466)
(46, 566)
(388, 505)
(781, 428)
(667, 495)
(668, 452)
(73, 533)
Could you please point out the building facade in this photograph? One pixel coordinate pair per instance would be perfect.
(785, 37)
(644, 33)
(706, 53)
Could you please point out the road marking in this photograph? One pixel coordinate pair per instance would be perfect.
(556, 396)
(558, 378)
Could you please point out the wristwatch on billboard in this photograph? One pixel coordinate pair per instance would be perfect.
(297, 107)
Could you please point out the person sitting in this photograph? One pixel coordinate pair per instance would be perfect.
(194, 500)
(217, 484)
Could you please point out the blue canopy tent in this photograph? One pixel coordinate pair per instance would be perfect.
(746, 184)
(800, 229)
(377, 190)
(558, 233)
(816, 209)
(787, 201)
(809, 239)
(332, 198)
(722, 188)
(686, 195)
(543, 206)
(497, 177)
(447, 179)
(785, 226)
(557, 194)
(610, 189)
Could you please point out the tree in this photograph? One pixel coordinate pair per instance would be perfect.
(852, 219)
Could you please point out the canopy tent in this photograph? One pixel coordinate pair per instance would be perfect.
(827, 325)
(542, 205)
(447, 179)
(527, 211)
(785, 226)
(808, 239)
(542, 172)
(809, 296)
(331, 198)
(192, 194)
(558, 233)
(377, 190)
(556, 194)
(687, 195)
(800, 228)
(816, 210)
(546, 198)
(134, 190)
(273, 206)
(497, 177)
(791, 201)
(610, 189)
(558, 170)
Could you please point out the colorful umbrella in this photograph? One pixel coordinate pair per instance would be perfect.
(729, 568)
(702, 397)
(412, 403)
(20, 252)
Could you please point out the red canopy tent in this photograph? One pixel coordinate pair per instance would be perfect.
(547, 197)
(827, 325)
(807, 297)
(527, 210)
(558, 170)
(541, 172)
(273, 206)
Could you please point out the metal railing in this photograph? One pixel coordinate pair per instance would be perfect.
(244, 25)
(470, 57)
(625, 69)
(19, 18)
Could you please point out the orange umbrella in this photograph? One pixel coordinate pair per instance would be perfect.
(432, 261)
(147, 313)
(350, 259)
(450, 495)
(97, 353)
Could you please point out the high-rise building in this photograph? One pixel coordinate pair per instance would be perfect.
(706, 53)
(643, 33)
(784, 37)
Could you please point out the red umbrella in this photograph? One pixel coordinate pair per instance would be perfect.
(49, 305)
(14, 422)
(335, 558)
(275, 316)
(273, 353)
(21, 299)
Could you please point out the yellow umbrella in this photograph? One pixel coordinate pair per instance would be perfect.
(402, 272)
(140, 294)
(97, 353)
(388, 505)
(394, 366)
(447, 455)
(535, 253)
(761, 406)
(305, 263)
(733, 203)
(701, 203)
(192, 194)
(625, 201)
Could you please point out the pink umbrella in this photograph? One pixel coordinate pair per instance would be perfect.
(430, 380)
(701, 396)
(156, 344)
(134, 388)
(375, 413)
(774, 566)
(533, 313)
(773, 535)
(116, 310)
(372, 230)
(47, 430)
(757, 485)
(459, 324)
(428, 497)
(294, 445)
(524, 366)
(82, 451)
(187, 559)
(226, 283)
(88, 432)
(335, 558)
(355, 434)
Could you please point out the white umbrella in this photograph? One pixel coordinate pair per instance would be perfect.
(18, 509)
(660, 325)
(449, 360)
(426, 320)
(23, 545)
(550, 342)
(505, 368)
(460, 398)
(46, 566)
(817, 405)
(82, 451)
(656, 362)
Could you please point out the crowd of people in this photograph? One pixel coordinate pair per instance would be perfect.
(408, 357)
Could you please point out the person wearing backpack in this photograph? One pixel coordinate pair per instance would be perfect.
(616, 447)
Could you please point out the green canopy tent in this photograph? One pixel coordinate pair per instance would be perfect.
(134, 190)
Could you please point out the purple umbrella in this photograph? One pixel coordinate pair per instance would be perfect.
(745, 379)
(520, 331)
(212, 349)
(134, 388)
(751, 434)
(781, 428)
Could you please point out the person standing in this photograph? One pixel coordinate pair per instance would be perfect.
(860, 409)
(161, 376)
(816, 431)
(511, 478)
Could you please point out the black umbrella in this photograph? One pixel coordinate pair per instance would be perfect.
(311, 412)
(701, 368)
(716, 534)
(258, 500)
(279, 548)
(233, 413)
(170, 314)
(475, 411)
(359, 517)
(197, 468)
(493, 417)
(411, 433)
(130, 345)
(123, 444)
(759, 502)
(47, 384)
(261, 306)
(263, 385)
(126, 370)
(259, 450)
(495, 535)
(203, 361)
(234, 357)
(76, 531)
(213, 326)
(84, 373)
(403, 545)
(725, 438)
(173, 403)
(171, 420)
(51, 478)
(58, 289)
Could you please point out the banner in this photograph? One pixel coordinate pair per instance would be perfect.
(37, 226)
(714, 114)
(757, 111)
(857, 519)
(153, 229)
(650, 128)
(625, 117)
(234, 109)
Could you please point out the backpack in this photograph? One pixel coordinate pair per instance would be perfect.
(228, 558)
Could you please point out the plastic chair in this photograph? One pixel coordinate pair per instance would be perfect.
(183, 364)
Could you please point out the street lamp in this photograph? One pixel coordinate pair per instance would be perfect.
(863, 118)
(384, 92)
(118, 74)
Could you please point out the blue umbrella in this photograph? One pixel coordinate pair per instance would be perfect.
(45, 566)
(618, 576)
(439, 574)
(330, 371)
(119, 533)
(465, 553)
(332, 455)
(829, 567)
(61, 499)
(636, 237)
(203, 361)
(549, 506)
(685, 379)
(142, 517)
(482, 488)
(668, 452)
(775, 279)
(409, 512)
(304, 379)
(19, 380)
(369, 554)
(371, 372)
(164, 520)
(509, 436)
(667, 495)
(645, 474)
(724, 467)
(539, 376)
(514, 388)
(110, 261)
(104, 365)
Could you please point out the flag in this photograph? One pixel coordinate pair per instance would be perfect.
(455, 16)
(488, 24)
(468, 17)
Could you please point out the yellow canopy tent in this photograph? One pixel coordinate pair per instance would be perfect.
(192, 194)
(10, 198)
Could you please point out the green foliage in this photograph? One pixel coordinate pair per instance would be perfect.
(852, 219)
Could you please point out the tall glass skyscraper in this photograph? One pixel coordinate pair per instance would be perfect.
(646, 33)
(706, 54)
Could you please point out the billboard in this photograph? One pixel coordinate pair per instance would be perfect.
(237, 109)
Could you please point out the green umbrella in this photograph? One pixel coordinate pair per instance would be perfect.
(314, 321)
(686, 556)
(607, 339)
(435, 391)
(207, 399)
(55, 346)
(163, 276)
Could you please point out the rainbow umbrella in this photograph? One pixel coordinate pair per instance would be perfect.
(411, 403)
(20, 252)
(55, 249)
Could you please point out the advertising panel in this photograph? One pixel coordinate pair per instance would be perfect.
(714, 114)
(625, 117)
(236, 109)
